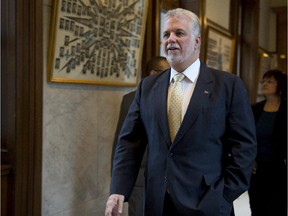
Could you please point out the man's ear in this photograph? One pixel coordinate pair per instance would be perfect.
(198, 41)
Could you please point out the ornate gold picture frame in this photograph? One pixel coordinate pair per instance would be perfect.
(219, 50)
(97, 41)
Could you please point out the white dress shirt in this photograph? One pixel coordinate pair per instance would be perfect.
(188, 84)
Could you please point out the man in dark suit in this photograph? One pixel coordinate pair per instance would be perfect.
(136, 201)
(208, 164)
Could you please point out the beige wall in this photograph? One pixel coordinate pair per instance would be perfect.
(78, 128)
(218, 12)
(267, 27)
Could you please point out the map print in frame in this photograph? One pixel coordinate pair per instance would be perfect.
(97, 41)
(219, 53)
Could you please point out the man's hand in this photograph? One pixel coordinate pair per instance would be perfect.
(114, 205)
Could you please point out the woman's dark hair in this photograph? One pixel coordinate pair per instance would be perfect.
(281, 79)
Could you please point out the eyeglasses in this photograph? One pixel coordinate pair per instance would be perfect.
(267, 81)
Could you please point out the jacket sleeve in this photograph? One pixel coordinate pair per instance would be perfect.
(241, 141)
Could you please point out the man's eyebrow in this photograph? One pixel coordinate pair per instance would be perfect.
(174, 30)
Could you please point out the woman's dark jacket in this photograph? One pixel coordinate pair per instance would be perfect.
(279, 131)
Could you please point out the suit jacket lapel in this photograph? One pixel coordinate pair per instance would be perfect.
(199, 99)
(160, 91)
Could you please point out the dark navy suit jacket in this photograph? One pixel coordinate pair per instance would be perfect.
(208, 165)
(125, 105)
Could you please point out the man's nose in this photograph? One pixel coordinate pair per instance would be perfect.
(172, 38)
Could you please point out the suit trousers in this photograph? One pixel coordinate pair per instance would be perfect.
(169, 208)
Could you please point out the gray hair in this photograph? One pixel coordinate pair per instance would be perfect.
(180, 12)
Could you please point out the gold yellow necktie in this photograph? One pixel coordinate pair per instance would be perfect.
(175, 108)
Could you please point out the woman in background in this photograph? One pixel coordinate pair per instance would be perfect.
(268, 189)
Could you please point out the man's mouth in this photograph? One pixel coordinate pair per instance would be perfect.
(172, 48)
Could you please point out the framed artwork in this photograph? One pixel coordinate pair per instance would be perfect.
(97, 41)
(219, 50)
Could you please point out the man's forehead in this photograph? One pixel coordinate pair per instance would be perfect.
(174, 28)
(176, 21)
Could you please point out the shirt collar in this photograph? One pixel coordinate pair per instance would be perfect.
(191, 72)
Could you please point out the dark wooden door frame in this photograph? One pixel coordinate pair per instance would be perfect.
(21, 102)
(249, 46)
